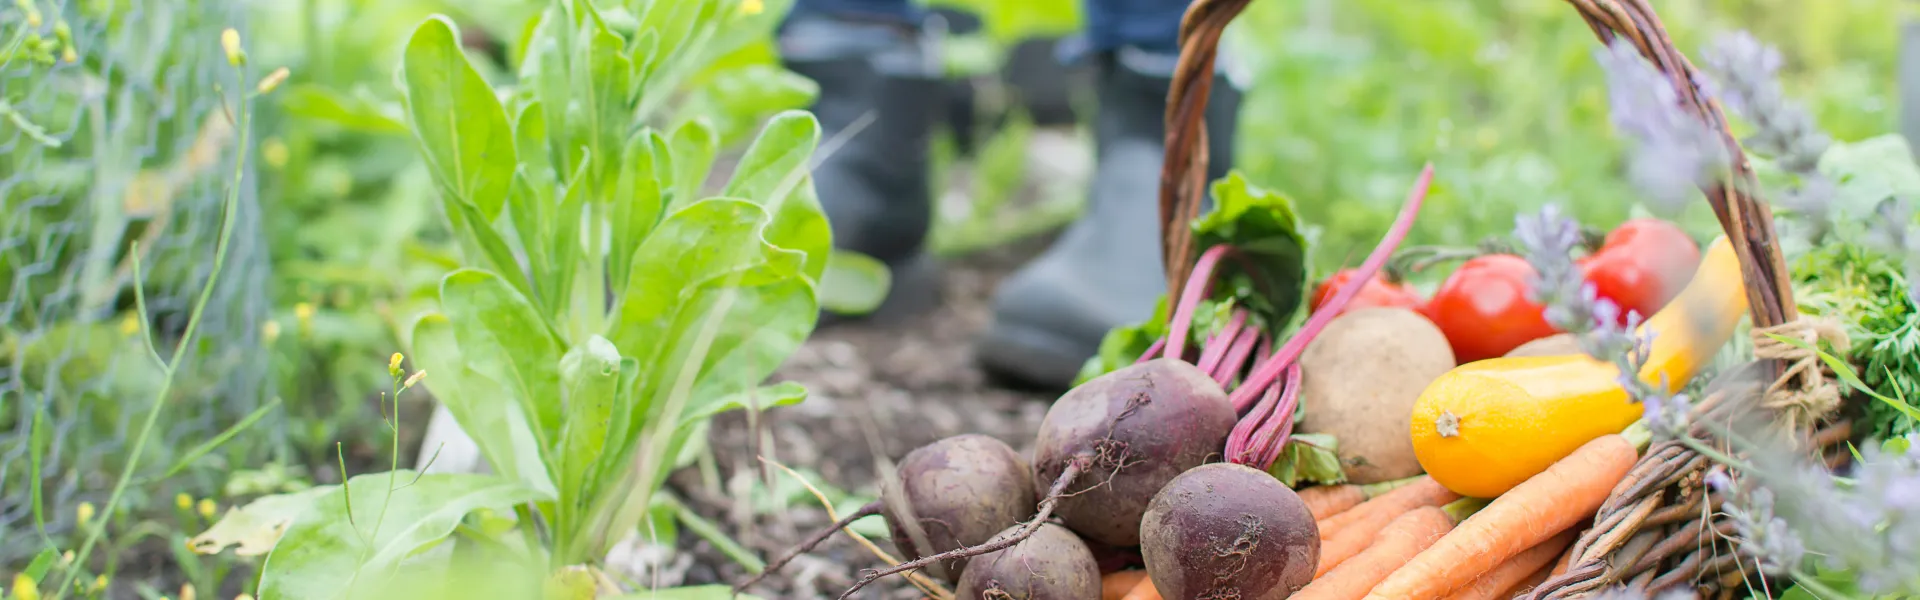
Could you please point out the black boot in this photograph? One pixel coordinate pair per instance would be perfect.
(1105, 269)
(880, 93)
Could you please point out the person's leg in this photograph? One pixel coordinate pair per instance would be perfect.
(1105, 269)
(880, 93)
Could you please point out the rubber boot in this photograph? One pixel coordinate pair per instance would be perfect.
(1105, 269)
(880, 94)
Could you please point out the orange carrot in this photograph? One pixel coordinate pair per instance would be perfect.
(1538, 577)
(1524, 517)
(1329, 500)
(1143, 591)
(1383, 508)
(1563, 563)
(1409, 534)
(1351, 540)
(1115, 585)
(1514, 572)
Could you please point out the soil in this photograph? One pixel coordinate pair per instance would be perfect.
(877, 390)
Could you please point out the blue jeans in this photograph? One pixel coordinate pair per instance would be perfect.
(1151, 25)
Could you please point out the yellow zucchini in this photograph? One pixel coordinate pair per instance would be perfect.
(1486, 426)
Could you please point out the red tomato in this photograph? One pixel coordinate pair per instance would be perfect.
(1376, 293)
(1642, 265)
(1483, 308)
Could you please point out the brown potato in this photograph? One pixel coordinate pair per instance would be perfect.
(1553, 345)
(1360, 379)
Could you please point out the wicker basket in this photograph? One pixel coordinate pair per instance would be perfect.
(1650, 535)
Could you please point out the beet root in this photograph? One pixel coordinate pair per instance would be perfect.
(1132, 431)
(961, 491)
(1052, 564)
(1229, 531)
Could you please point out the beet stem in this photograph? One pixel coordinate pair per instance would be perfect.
(1199, 284)
(1235, 361)
(1268, 371)
(1217, 344)
(1241, 438)
(1152, 351)
(870, 509)
(1027, 529)
(1278, 427)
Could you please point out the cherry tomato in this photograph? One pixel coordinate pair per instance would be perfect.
(1376, 293)
(1642, 265)
(1483, 308)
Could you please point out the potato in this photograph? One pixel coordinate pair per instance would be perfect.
(1360, 378)
(1553, 345)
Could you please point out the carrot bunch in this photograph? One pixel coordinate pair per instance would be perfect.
(1401, 544)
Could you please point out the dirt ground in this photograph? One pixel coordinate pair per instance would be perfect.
(874, 387)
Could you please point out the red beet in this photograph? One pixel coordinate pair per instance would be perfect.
(1053, 564)
(1131, 431)
(961, 490)
(1229, 531)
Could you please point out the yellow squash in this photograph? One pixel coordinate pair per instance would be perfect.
(1486, 426)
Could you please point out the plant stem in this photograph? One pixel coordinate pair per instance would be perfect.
(700, 526)
(229, 218)
(1813, 585)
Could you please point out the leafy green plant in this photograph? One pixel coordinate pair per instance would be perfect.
(606, 306)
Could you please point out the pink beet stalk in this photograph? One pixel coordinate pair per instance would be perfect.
(1217, 345)
(1197, 288)
(1235, 360)
(1267, 371)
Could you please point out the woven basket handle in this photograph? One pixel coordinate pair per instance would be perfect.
(1747, 222)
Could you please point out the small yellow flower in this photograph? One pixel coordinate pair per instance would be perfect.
(68, 55)
(230, 42)
(243, 597)
(270, 331)
(183, 501)
(393, 364)
(303, 313)
(130, 325)
(66, 558)
(25, 588)
(84, 512)
(206, 507)
(275, 152)
(187, 592)
(273, 80)
(414, 379)
(99, 583)
(753, 7)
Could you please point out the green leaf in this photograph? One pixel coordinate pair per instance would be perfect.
(42, 562)
(460, 125)
(698, 592)
(1262, 225)
(500, 334)
(482, 243)
(637, 201)
(600, 114)
(498, 423)
(252, 530)
(1124, 345)
(738, 98)
(701, 242)
(761, 398)
(591, 374)
(355, 536)
(530, 137)
(854, 283)
(1869, 171)
(774, 173)
(1309, 458)
(694, 147)
(355, 113)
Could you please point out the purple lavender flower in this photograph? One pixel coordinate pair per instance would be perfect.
(1745, 78)
(1676, 151)
(1572, 305)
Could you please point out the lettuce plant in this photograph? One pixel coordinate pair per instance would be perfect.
(605, 307)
